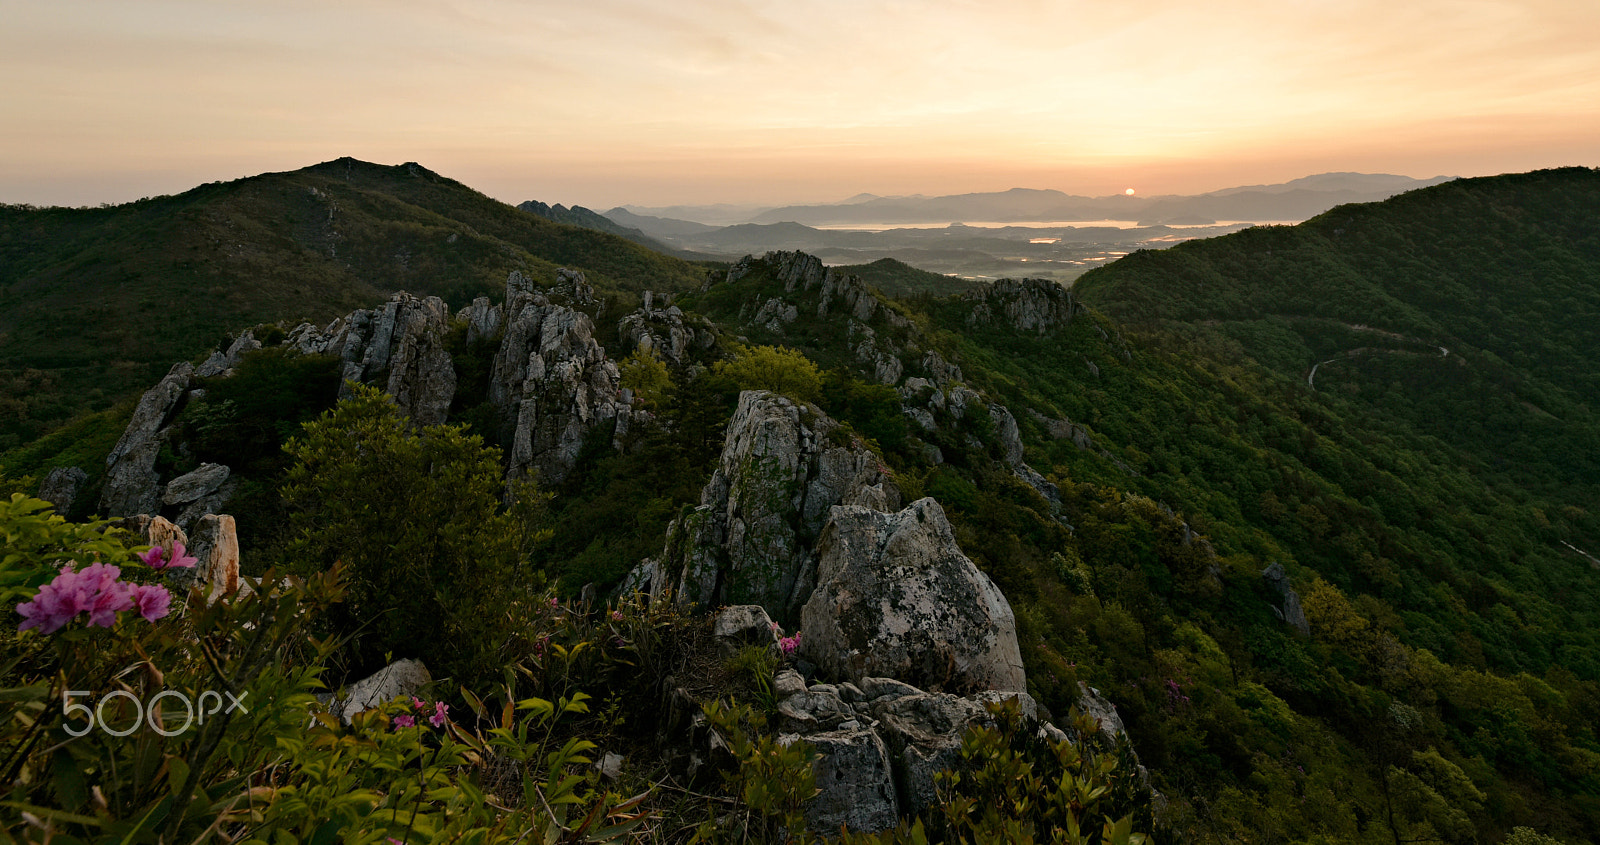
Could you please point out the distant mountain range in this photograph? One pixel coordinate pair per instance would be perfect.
(1290, 201)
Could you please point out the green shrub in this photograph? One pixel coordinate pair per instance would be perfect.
(773, 368)
(416, 517)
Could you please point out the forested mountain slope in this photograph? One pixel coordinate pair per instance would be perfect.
(97, 302)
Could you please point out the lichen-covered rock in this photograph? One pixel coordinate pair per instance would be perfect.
(552, 384)
(782, 468)
(923, 734)
(817, 708)
(192, 485)
(61, 485)
(131, 484)
(855, 782)
(895, 597)
(1030, 305)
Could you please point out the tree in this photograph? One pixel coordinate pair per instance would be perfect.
(773, 368)
(415, 515)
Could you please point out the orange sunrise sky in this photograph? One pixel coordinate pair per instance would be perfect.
(607, 102)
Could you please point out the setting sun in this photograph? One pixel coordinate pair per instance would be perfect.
(1129, 192)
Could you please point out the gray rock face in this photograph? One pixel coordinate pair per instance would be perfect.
(1030, 305)
(191, 486)
(402, 677)
(552, 384)
(856, 782)
(221, 363)
(60, 487)
(131, 480)
(749, 541)
(405, 340)
(664, 331)
(484, 320)
(1091, 702)
(896, 597)
(1289, 611)
(923, 733)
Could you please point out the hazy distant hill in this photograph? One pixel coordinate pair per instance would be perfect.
(580, 216)
(1294, 200)
(95, 302)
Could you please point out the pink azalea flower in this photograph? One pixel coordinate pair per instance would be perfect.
(439, 711)
(155, 558)
(417, 705)
(404, 722)
(151, 600)
(180, 559)
(54, 605)
(107, 603)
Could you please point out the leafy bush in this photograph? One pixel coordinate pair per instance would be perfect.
(773, 368)
(416, 517)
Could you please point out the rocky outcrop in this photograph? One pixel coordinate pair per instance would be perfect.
(1028, 305)
(552, 384)
(222, 363)
(895, 597)
(131, 484)
(662, 328)
(484, 320)
(60, 487)
(782, 468)
(403, 342)
(1288, 609)
(880, 744)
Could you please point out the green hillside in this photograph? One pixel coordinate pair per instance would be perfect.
(1388, 405)
(98, 302)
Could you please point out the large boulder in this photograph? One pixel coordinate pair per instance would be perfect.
(188, 487)
(132, 485)
(783, 466)
(60, 487)
(895, 597)
(854, 779)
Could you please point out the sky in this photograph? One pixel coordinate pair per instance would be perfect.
(610, 102)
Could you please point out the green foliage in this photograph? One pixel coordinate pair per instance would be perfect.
(644, 373)
(416, 518)
(772, 781)
(96, 303)
(773, 368)
(196, 772)
(1016, 787)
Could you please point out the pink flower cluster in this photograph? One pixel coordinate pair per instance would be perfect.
(786, 645)
(437, 719)
(157, 558)
(97, 591)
